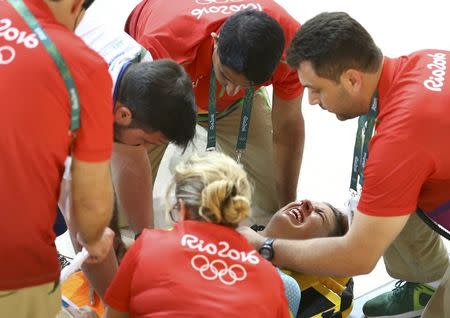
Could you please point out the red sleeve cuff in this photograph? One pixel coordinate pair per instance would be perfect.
(288, 95)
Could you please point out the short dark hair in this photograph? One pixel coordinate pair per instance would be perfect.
(87, 4)
(334, 42)
(251, 43)
(160, 96)
(341, 221)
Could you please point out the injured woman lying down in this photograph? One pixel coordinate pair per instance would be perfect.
(305, 220)
(299, 220)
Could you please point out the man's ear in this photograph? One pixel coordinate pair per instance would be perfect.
(76, 6)
(352, 80)
(122, 115)
(215, 37)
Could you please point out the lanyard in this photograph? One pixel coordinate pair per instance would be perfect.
(245, 118)
(366, 124)
(26, 14)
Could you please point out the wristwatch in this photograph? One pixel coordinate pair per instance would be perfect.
(266, 250)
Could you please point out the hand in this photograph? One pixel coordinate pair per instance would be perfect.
(252, 237)
(99, 250)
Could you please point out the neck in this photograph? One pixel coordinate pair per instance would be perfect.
(372, 84)
(64, 12)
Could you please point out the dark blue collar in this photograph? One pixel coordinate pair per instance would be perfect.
(118, 80)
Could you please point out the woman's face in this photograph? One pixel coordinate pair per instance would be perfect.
(301, 220)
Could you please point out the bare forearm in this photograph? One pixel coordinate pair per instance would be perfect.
(92, 201)
(132, 178)
(288, 141)
(288, 154)
(91, 217)
(323, 257)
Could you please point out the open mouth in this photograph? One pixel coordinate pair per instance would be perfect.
(296, 215)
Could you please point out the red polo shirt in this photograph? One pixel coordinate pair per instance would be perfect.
(35, 137)
(182, 31)
(198, 269)
(409, 155)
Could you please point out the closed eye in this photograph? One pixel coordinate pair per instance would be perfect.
(321, 213)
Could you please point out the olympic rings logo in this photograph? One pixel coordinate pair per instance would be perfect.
(7, 54)
(218, 269)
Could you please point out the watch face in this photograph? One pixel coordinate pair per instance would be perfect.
(266, 252)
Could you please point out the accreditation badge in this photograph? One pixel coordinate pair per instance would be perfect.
(352, 204)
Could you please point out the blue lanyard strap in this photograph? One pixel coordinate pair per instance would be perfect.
(366, 124)
(26, 14)
(245, 117)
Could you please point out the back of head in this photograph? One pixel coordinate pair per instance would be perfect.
(161, 98)
(251, 43)
(68, 12)
(87, 4)
(334, 42)
(214, 187)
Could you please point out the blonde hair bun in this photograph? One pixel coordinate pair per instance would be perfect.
(223, 204)
(214, 187)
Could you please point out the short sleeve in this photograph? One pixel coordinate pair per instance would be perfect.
(94, 138)
(393, 177)
(286, 84)
(118, 295)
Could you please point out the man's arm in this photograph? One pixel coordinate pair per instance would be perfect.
(355, 253)
(288, 141)
(92, 200)
(132, 178)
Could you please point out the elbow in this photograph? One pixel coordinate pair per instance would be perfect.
(363, 266)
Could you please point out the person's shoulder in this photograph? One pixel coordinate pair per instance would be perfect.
(152, 234)
(280, 14)
(411, 83)
(424, 67)
(80, 59)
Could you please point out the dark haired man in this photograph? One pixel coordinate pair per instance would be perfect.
(230, 57)
(148, 97)
(62, 107)
(406, 164)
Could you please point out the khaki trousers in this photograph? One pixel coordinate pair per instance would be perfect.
(257, 159)
(42, 301)
(419, 255)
